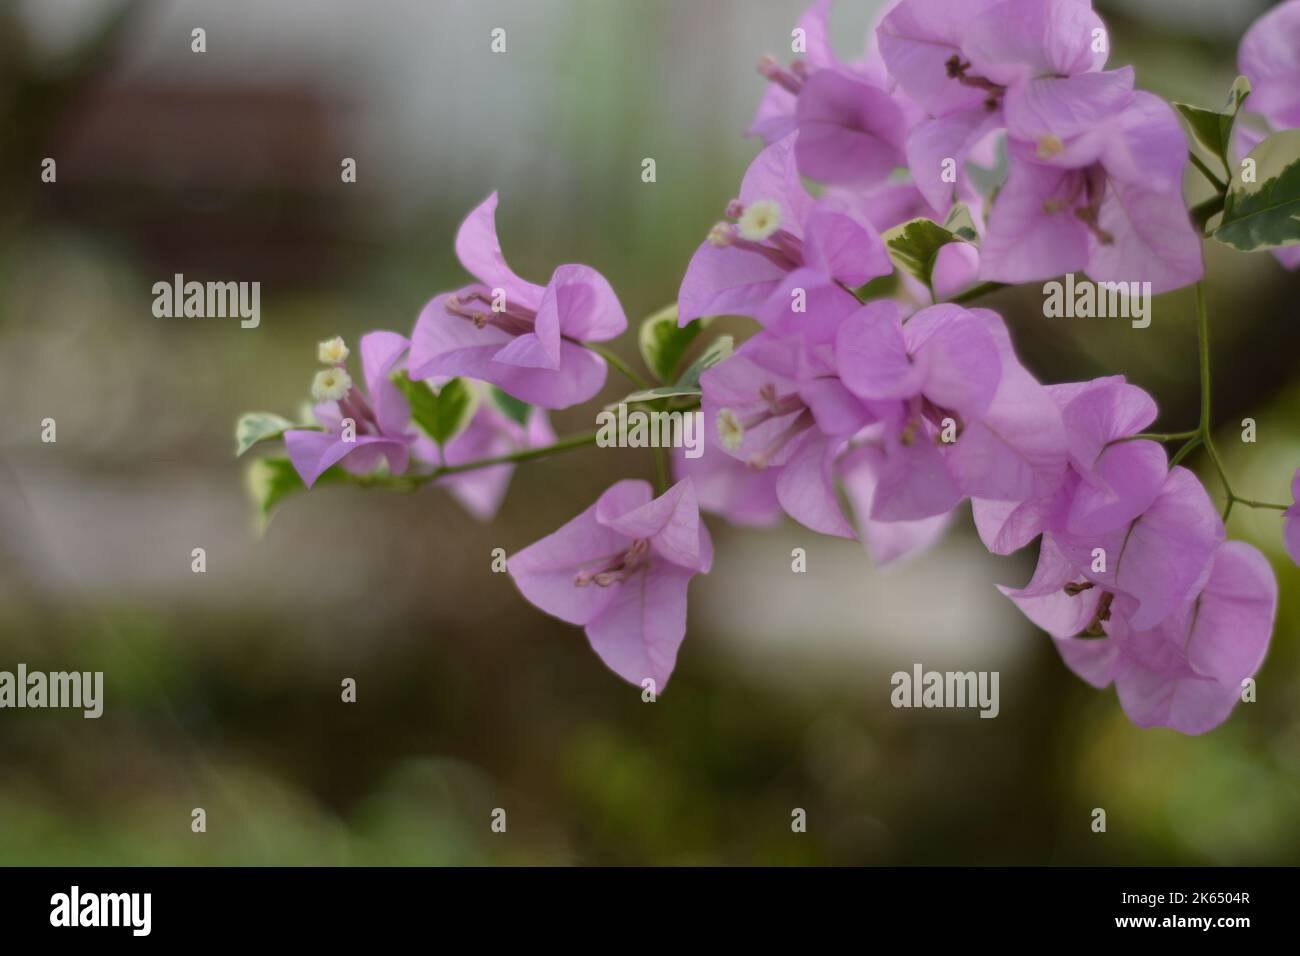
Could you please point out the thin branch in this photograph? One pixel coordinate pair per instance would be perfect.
(661, 469)
(1187, 449)
(1249, 503)
(619, 364)
(975, 292)
(526, 454)
(1219, 185)
(1158, 436)
(412, 482)
(1205, 428)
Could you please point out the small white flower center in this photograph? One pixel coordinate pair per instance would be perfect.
(332, 351)
(1049, 146)
(330, 385)
(730, 431)
(759, 220)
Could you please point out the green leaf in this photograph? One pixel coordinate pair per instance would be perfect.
(914, 245)
(1212, 129)
(961, 223)
(270, 480)
(881, 287)
(719, 349)
(654, 394)
(254, 427)
(663, 342)
(444, 414)
(510, 406)
(1203, 212)
(1265, 213)
(689, 382)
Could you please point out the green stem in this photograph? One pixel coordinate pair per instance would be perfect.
(848, 290)
(1203, 350)
(411, 482)
(1215, 181)
(1249, 503)
(619, 364)
(1160, 436)
(1187, 449)
(1203, 212)
(1205, 428)
(661, 457)
(1223, 474)
(661, 469)
(1204, 432)
(975, 292)
(527, 454)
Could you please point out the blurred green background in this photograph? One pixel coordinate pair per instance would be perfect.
(222, 689)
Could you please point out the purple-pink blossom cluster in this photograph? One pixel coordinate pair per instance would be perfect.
(1095, 166)
(913, 414)
(904, 406)
(499, 331)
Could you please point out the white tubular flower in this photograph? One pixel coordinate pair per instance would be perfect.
(759, 220)
(330, 385)
(730, 432)
(332, 351)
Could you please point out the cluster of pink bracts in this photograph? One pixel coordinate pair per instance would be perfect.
(909, 405)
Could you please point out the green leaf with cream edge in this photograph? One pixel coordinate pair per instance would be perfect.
(688, 384)
(914, 245)
(1212, 129)
(663, 342)
(255, 427)
(1265, 213)
(271, 480)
